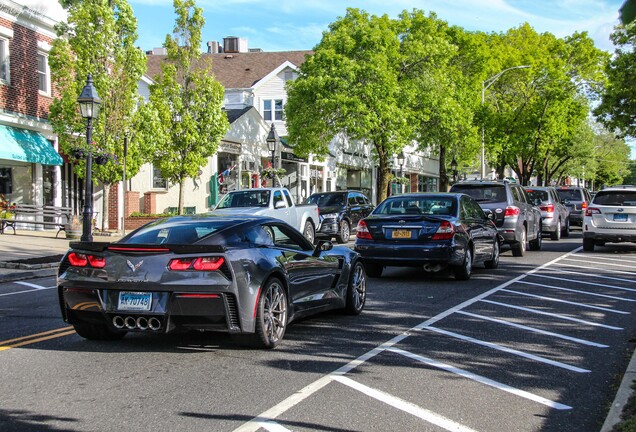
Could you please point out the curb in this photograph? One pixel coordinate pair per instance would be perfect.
(21, 275)
(622, 395)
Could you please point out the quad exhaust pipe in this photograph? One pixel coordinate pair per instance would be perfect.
(140, 323)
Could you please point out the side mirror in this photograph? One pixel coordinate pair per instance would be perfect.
(279, 204)
(322, 246)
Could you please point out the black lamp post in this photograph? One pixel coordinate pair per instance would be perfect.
(272, 142)
(454, 169)
(400, 160)
(89, 103)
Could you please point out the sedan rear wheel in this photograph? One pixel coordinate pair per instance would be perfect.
(343, 233)
(464, 271)
(271, 314)
(356, 290)
(97, 332)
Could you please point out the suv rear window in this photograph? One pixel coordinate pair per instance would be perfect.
(483, 193)
(570, 194)
(537, 194)
(616, 198)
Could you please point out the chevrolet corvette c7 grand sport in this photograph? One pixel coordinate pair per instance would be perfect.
(249, 275)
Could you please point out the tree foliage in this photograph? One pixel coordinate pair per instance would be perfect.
(98, 38)
(184, 115)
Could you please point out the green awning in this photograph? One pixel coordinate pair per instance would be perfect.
(27, 146)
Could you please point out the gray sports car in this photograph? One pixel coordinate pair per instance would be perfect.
(209, 272)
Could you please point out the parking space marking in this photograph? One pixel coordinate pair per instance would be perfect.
(612, 258)
(272, 426)
(597, 269)
(596, 276)
(405, 406)
(567, 318)
(586, 283)
(26, 291)
(508, 350)
(556, 300)
(32, 285)
(481, 379)
(534, 329)
(596, 262)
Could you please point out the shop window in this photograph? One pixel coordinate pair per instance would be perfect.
(6, 181)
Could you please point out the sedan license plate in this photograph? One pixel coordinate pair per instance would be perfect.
(620, 217)
(401, 234)
(134, 301)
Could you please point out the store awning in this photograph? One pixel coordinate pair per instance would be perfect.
(27, 146)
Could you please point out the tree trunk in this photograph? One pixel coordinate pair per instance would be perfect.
(384, 173)
(181, 193)
(443, 178)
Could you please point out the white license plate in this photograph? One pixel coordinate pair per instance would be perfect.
(134, 301)
(620, 217)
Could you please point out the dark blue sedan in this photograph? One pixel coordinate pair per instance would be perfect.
(430, 230)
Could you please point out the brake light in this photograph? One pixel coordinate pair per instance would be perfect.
(592, 211)
(445, 231)
(97, 261)
(197, 264)
(512, 211)
(362, 232)
(584, 205)
(83, 260)
(547, 208)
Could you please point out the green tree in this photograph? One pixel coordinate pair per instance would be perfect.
(611, 162)
(617, 110)
(184, 114)
(98, 38)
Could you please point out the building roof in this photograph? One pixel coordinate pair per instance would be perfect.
(235, 114)
(238, 70)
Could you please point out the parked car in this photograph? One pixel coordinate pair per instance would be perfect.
(555, 216)
(429, 230)
(340, 212)
(275, 202)
(251, 275)
(518, 221)
(576, 199)
(611, 217)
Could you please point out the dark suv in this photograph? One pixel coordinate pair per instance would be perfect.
(517, 220)
(576, 199)
(340, 212)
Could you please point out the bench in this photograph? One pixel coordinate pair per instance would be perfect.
(29, 214)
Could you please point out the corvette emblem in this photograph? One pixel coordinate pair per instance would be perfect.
(620, 210)
(132, 266)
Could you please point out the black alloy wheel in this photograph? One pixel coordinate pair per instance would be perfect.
(356, 289)
(271, 314)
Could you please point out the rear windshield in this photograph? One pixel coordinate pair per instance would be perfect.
(569, 194)
(616, 198)
(248, 198)
(534, 194)
(176, 231)
(483, 193)
(327, 200)
(433, 205)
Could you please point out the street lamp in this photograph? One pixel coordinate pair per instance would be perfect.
(484, 85)
(89, 103)
(454, 169)
(400, 160)
(272, 142)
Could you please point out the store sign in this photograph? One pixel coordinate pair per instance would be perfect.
(291, 157)
(230, 147)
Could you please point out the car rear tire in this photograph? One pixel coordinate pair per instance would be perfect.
(464, 271)
(494, 262)
(309, 232)
(566, 229)
(556, 235)
(519, 248)
(535, 245)
(373, 270)
(588, 245)
(97, 332)
(343, 233)
(271, 314)
(356, 289)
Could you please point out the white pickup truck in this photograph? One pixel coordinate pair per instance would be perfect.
(274, 202)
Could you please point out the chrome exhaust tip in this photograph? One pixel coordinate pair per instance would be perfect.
(130, 322)
(142, 323)
(154, 324)
(118, 322)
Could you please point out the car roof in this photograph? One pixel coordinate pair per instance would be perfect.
(619, 187)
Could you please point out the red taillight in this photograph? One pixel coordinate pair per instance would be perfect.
(198, 264)
(445, 231)
(77, 259)
(511, 211)
(97, 261)
(362, 232)
(584, 205)
(592, 211)
(547, 208)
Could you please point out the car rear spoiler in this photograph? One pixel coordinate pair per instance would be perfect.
(146, 248)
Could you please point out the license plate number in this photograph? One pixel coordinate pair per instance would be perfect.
(401, 234)
(134, 301)
(620, 217)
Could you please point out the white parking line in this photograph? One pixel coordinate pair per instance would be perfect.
(406, 406)
(587, 283)
(556, 300)
(560, 270)
(509, 350)
(26, 291)
(481, 379)
(272, 426)
(32, 285)
(619, 258)
(597, 269)
(533, 329)
(563, 317)
(596, 262)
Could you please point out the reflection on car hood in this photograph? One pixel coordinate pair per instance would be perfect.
(242, 210)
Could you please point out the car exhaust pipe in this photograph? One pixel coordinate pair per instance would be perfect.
(142, 323)
(118, 322)
(154, 324)
(432, 267)
(130, 322)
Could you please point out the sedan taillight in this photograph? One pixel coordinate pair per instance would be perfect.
(83, 260)
(592, 211)
(512, 211)
(362, 232)
(196, 264)
(445, 231)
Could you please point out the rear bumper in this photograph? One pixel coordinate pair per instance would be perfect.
(409, 255)
(610, 237)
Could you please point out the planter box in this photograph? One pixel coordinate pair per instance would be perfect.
(135, 222)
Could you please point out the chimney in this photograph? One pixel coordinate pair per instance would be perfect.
(213, 47)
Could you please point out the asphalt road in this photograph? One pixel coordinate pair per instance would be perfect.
(537, 345)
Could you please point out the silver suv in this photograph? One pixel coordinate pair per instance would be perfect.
(555, 216)
(518, 221)
(611, 217)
